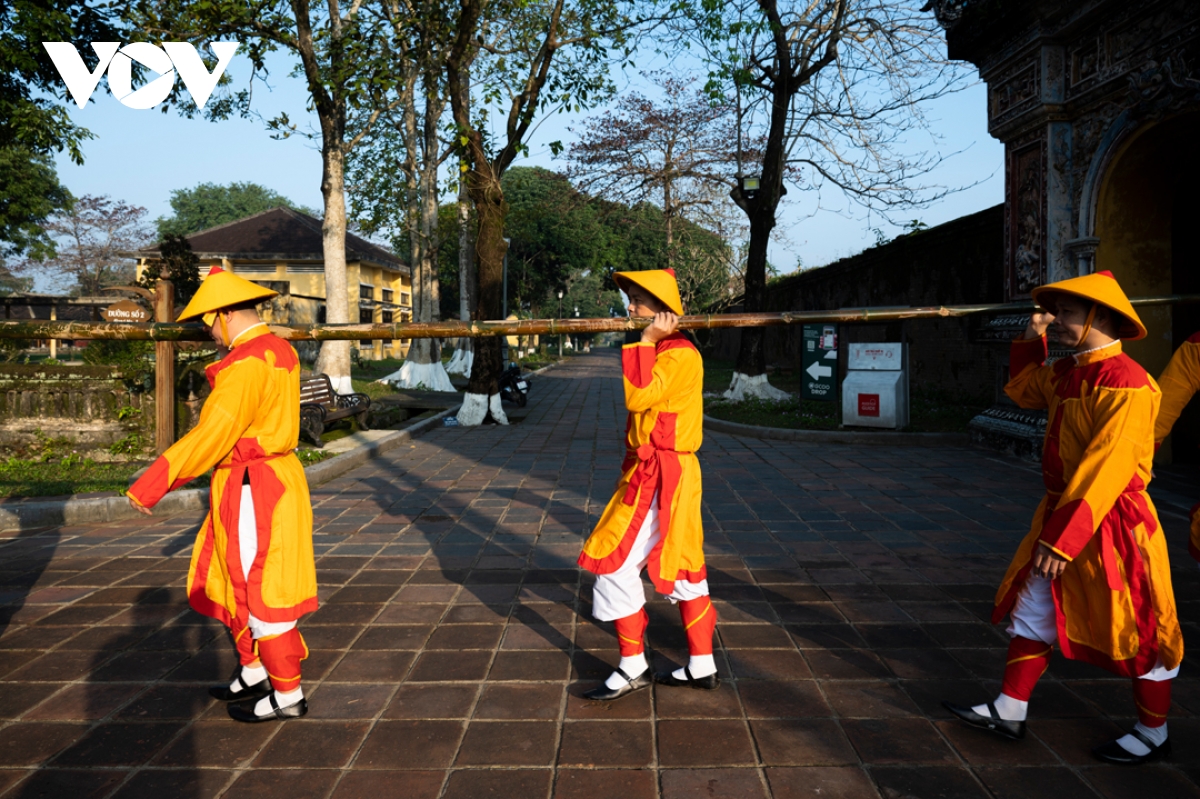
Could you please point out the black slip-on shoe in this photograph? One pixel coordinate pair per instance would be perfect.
(227, 694)
(602, 693)
(244, 711)
(708, 683)
(1113, 752)
(1013, 730)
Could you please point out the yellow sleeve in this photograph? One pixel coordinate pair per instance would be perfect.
(1030, 382)
(1123, 420)
(224, 419)
(1179, 382)
(652, 377)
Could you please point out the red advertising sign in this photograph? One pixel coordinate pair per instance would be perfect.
(868, 404)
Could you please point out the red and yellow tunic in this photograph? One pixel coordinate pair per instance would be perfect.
(664, 395)
(1114, 603)
(1180, 381)
(248, 429)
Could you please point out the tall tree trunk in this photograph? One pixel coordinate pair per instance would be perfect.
(334, 359)
(490, 247)
(428, 351)
(749, 375)
(751, 358)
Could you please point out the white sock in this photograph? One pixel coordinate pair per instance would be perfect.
(1133, 746)
(251, 675)
(263, 706)
(699, 666)
(632, 665)
(1007, 708)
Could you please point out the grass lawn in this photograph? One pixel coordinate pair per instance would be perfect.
(22, 478)
(930, 411)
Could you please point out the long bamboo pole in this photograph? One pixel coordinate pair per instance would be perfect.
(42, 329)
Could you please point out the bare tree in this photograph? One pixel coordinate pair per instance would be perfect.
(672, 153)
(835, 89)
(91, 239)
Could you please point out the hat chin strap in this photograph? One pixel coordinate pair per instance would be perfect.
(225, 329)
(1087, 325)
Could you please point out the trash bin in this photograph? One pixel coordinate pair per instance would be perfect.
(875, 391)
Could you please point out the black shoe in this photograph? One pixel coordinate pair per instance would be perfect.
(1113, 752)
(602, 693)
(244, 711)
(1014, 730)
(226, 694)
(709, 683)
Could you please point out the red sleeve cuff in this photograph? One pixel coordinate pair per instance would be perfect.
(637, 363)
(1069, 529)
(153, 485)
(1026, 352)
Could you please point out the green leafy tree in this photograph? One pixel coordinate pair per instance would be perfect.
(208, 205)
(554, 233)
(177, 263)
(30, 195)
(34, 122)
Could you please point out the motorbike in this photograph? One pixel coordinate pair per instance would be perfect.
(513, 387)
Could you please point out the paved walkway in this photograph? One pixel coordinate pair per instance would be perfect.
(454, 637)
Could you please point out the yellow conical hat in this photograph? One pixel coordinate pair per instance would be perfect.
(219, 290)
(659, 282)
(1101, 288)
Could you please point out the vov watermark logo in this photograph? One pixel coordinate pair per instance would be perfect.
(166, 60)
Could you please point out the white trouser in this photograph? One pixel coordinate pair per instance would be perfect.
(621, 593)
(248, 543)
(1033, 617)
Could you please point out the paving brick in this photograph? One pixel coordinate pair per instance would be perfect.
(492, 784)
(605, 784)
(712, 783)
(508, 743)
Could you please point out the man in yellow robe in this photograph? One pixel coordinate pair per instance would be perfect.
(653, 520)
(1179, 382)
(252, 565)
(1092, 574)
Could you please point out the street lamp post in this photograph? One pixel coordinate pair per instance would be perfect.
(560, 293)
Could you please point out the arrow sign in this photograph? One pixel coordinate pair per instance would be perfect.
(818, 371)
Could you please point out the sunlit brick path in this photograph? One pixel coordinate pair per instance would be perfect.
(454, 639)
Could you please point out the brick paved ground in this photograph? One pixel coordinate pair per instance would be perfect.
(454, 638)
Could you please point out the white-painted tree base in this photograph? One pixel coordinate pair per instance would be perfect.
(460, 362)
(745, 387)
(341, 385)
(424, 376)
(475, 409)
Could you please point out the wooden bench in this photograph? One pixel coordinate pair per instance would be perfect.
(320, 405)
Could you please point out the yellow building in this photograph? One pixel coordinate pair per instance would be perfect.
(282, 250)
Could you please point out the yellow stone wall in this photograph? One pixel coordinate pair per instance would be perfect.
(306, 283)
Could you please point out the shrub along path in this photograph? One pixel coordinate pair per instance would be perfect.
(454, 639)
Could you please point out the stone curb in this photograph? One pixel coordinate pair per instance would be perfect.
(868, 438)
(26, 515)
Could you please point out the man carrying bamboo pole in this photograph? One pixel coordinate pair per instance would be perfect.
(1180, 381)
(252, 565)
(653, 520)
(1092, 574)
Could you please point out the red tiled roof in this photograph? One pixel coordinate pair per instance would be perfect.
(281, 233)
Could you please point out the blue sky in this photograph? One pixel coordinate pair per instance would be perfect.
(141, 156)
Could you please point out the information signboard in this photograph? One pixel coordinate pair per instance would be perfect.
(818, 362)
